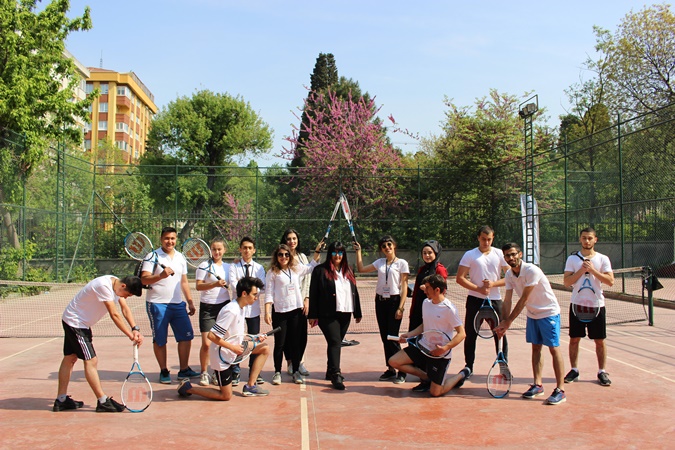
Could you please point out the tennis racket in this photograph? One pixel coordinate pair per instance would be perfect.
(247, 341)
(332, 218)
(586, 305)
(428, 343)
(348, 214)
(197, 252)
(138, 246)
(486, 320)
(136, 390)
(499, 378)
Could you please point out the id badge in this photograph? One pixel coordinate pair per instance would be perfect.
(290, 291)
(386, 293)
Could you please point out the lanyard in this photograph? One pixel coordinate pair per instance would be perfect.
(387, 269)
(289, 274)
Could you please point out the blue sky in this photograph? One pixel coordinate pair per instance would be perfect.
(409, 55)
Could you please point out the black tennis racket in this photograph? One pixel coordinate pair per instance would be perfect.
(429, 343)
(139, 246)
(586, 303)
(136, 390)
(486, 320)
(499, 378)
(248, 343)
(197, 253)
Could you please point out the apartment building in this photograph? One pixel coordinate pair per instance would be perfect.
(121, 114)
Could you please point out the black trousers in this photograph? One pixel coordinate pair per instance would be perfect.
(473, 304)
(292, 327)
(385, 311)
(334, 330)
(302, 343)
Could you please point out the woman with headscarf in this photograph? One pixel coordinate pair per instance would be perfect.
(431, 253)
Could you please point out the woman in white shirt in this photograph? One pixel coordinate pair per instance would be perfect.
(391, 290)
(285, 306)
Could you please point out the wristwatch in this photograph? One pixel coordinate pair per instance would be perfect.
(135, 328)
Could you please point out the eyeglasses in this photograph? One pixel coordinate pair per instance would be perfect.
(387, 244)
(510, 255)
(337, 253)
(283, 255)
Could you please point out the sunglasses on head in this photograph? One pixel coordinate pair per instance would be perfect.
(283, 255)
(337, 253)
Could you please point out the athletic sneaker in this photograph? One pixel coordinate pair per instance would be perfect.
(572, 376)
(303, 370)
(184, 387)
(467, 373)
(603, 379)
(298, 378)
(109, 405)
(214, 379)
(235, 379)
(557, 397)
(276, 379)
(289, 368)
(424, 386)
(165, 377)
(259, 380)
(187, 374)
(338, 382)
(535, 390)
(400, 378)
(254, 391)
(68, 403)
(205, 379)
(388, 375)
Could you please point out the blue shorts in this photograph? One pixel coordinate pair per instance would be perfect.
(162, 315)
(543, 331)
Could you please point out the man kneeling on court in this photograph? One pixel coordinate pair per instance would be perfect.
(230, 322)
(441, 315)
(89, 306)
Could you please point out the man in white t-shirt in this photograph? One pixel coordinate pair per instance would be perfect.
(166, 271)
(480, 271)
(599, 270)
(543, 318)
(98, 298)
(438, 313)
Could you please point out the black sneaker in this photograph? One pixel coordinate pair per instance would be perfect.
(337, 381)
(388, 375)
(424, 386)
(68, 403)
(109, 405)
(572, 376)
(603, 379)
(467, 373)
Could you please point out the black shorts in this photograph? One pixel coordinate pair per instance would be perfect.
(597, 329)
(78, 342)
(434, 368)
(224, 377)
(208, 313)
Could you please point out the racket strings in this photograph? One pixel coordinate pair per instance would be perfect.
(136, 392)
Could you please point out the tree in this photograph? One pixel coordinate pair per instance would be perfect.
(639, 60)
(36, 90)
(204, 132)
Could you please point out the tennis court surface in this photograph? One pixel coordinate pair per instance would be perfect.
(635, 412)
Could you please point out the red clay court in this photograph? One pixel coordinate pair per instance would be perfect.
(635, 412)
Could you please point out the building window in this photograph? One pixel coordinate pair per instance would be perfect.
(122, 145)
(102, 125)
(103, 107)
(123, 91)
(90, 88)
(87, 144)
(104, 88)
(121, 126)
(87, 127)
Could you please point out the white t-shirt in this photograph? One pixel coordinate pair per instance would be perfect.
(218, 294)
(87, 307)
(283, 287)
(230, 322)
(484, 267)
(542, 302)
(389, 276)
(166, 290)
(442, 317)
(344, 302)
(600, 262)
(237, 272)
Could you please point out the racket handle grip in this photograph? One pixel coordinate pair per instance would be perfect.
(393, 338)
(273, 331)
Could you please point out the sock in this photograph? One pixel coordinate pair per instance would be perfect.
(62, 398)
(600, 371)
(575, 369)
(103, 399)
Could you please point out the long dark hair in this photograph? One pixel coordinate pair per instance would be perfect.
(345, 268)
(284, 238)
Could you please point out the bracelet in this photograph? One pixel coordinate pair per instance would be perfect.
(317, 251)
(401, 309)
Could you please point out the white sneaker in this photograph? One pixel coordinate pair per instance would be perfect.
(303, 370)
(205, 379)
(289, 367)
(214, 380)
(298, 378)
(276, 379)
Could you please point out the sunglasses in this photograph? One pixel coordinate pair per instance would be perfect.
(337, 253)
(283, 255)
(387, 244)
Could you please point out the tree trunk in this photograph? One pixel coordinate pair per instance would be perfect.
(8, 223)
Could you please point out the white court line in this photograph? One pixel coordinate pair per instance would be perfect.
(24, 351)
(625, 363)
(304, 425)
(629, 334)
